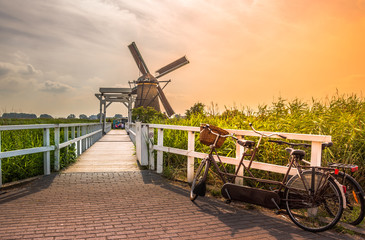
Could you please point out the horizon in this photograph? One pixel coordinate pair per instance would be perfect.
(55, 56)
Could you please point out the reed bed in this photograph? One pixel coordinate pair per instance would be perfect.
(26, 166)
(341, 116)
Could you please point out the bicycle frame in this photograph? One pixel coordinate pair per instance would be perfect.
(307, 196)
(293, 163)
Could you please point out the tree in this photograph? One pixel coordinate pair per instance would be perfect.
(146, 115)
(196, 109)
(118, 116)
(46, 116)
(83, 116)
(93, 117)
(19, 115)
(71, 116)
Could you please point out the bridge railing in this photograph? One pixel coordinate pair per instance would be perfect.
(144, 135)
(83, 135)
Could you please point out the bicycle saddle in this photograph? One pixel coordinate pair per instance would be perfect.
(296, 152)
(246, 143)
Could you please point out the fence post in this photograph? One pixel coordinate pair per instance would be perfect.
(46, 155)
(88, 138)
(65, 138)
(190, 164)
(138, 141)
(1, 173)
(73, 137)
(144, 147)
(159, 153)
(78, 142)
(83, 141)
(316, 154)
(57, 148)
(239, 152)
(151, 155)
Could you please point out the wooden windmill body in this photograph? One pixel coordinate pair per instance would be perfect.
(148, 88)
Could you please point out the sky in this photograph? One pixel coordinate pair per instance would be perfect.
(56, 54)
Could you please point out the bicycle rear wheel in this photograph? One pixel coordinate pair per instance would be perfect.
(313, 212)
(355, 203)
(198, 186)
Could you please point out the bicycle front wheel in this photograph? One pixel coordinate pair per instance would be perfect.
(198, 185)
(355, 203)
(317, 211)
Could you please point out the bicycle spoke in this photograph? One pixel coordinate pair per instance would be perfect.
(313, 212)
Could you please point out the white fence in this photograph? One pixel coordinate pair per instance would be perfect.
(83, 135)
(142, 135)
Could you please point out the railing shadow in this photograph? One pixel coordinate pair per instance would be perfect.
(13, 193)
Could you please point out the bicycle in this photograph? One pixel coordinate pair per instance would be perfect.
(312, 199)
(354, 211)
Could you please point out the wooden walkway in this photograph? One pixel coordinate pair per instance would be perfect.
(114, 152)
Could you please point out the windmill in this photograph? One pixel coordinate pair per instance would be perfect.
(148, 88)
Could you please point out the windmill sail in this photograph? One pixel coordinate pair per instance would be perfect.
(138, 58)
(172, 66)
(164, 102)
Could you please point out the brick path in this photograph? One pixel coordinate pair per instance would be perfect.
(130, 205)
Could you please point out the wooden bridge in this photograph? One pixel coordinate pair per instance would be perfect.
(106, 196)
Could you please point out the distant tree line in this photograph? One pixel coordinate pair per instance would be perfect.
(47, 116)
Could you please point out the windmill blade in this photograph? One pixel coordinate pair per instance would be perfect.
(138, 58)
(164, 101)
(172, 66)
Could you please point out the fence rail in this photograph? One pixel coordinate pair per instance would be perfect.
(142, 135)
(83, 135)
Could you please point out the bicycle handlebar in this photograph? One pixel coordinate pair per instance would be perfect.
(324, 145)
(266, 135)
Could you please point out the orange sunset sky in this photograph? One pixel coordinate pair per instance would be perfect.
(54, 55)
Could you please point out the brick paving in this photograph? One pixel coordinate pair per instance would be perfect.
(131, 205)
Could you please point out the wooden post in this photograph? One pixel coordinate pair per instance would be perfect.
(73, 136)
(160, 153)
(151, 155)
(83, 141)
(46, 155)
(239, 152)
(138, 142)
(316, 154)
(144, 147)
(87, 128)
(57, 149)
(79, 142)
(190, 164)
(104, 118)
(65, 138)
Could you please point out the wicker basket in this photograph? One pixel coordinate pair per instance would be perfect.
(208, 138)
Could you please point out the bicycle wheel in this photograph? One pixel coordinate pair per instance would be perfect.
(313, 212)
(198, 185)
(355, 203)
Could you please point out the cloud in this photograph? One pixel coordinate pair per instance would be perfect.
(3, 70)
(55, 87)
(71, 46)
